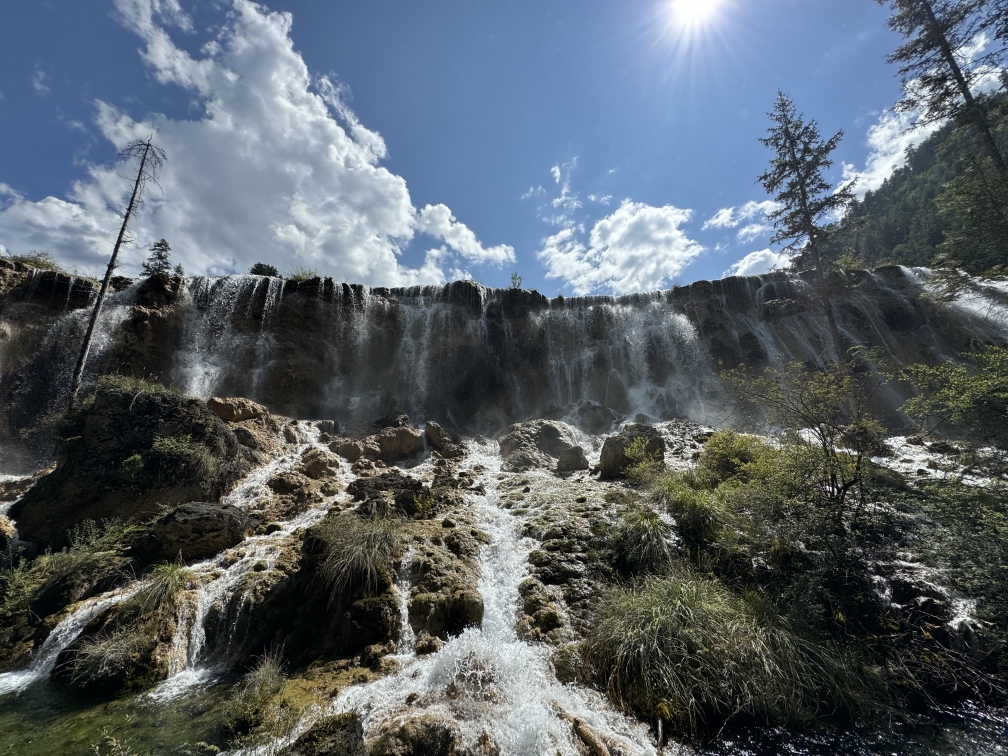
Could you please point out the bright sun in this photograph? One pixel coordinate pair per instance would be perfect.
(693, 13)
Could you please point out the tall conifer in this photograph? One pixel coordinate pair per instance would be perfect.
(806, 200)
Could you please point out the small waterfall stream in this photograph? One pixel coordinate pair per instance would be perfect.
(65, 633)
(491, 684)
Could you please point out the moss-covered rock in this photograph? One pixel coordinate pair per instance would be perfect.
(131, 449)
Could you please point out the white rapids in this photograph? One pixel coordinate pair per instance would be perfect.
(487, 681)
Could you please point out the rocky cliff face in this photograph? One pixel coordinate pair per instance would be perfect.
(473, 358)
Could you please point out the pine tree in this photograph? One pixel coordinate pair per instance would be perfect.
(806, 200)
(936, 83)
(158, 262)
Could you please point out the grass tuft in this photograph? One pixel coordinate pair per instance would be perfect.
(356, 553)
(105, 655)
(643, 542)
(248, 705)
(300, 274)
(685, 649)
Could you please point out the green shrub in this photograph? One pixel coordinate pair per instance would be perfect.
(700, 514)
(131, 467)
(36, 259)
(644, 467)
(729, 455)
(685, 649)
(642, 541)
(302, 274)
(263, 269)
(356, 554)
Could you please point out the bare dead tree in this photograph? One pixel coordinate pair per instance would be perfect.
(151, 159)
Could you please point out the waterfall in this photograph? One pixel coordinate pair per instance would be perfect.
(195, 659)
(65, 633)
(487, 680)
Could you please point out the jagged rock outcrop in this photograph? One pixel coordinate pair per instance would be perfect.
(572, 460)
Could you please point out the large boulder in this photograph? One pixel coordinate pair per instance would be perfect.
(427, 735)
(442, 442)
(397, 443)
(235, 409)
(614, 459)
(199, 530)
(534, 444)
(130, 449)
(594, 418)
(572, 460)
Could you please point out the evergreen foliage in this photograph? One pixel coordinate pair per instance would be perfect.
(159, 261)
(805, 198)
(942, 209)
(263, 269)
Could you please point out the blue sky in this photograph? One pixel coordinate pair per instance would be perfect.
(591, 145)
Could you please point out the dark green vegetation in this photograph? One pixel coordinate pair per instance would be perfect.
(762, 602)
(129, 450)
(943, 209)
(264, 269)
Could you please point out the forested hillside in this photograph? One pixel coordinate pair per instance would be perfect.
(944, 208)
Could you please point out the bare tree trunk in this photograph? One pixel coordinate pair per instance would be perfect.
(976, 115)
(78, 373)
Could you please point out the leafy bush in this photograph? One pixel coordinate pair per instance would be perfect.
(263, 269)
(356, 554)
(644, 466)
(36, 259)
(729, 455)
(700, 514)
(685, 649)
(643, 543)
(302, 274)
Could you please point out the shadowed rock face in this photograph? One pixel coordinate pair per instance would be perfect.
(477, 359)
(127, 453)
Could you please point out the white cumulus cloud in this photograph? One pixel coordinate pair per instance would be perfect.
(758, 262)
(889, 140)
(753, 214)
(637, 248)
(276, 168)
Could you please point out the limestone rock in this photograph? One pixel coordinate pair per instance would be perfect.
(393, 420)
(199, 531)
(439, 439)
(235, 409)
(353, 449)
(337, 735)
(318, 465)
(397, 443)
(534, 444)
(614, 460)
(127, 454)
(594, 418)
(428, 734)
(571, 460)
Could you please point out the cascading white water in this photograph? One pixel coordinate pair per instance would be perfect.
(487, 680)
(218, 579)
(65, 633)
